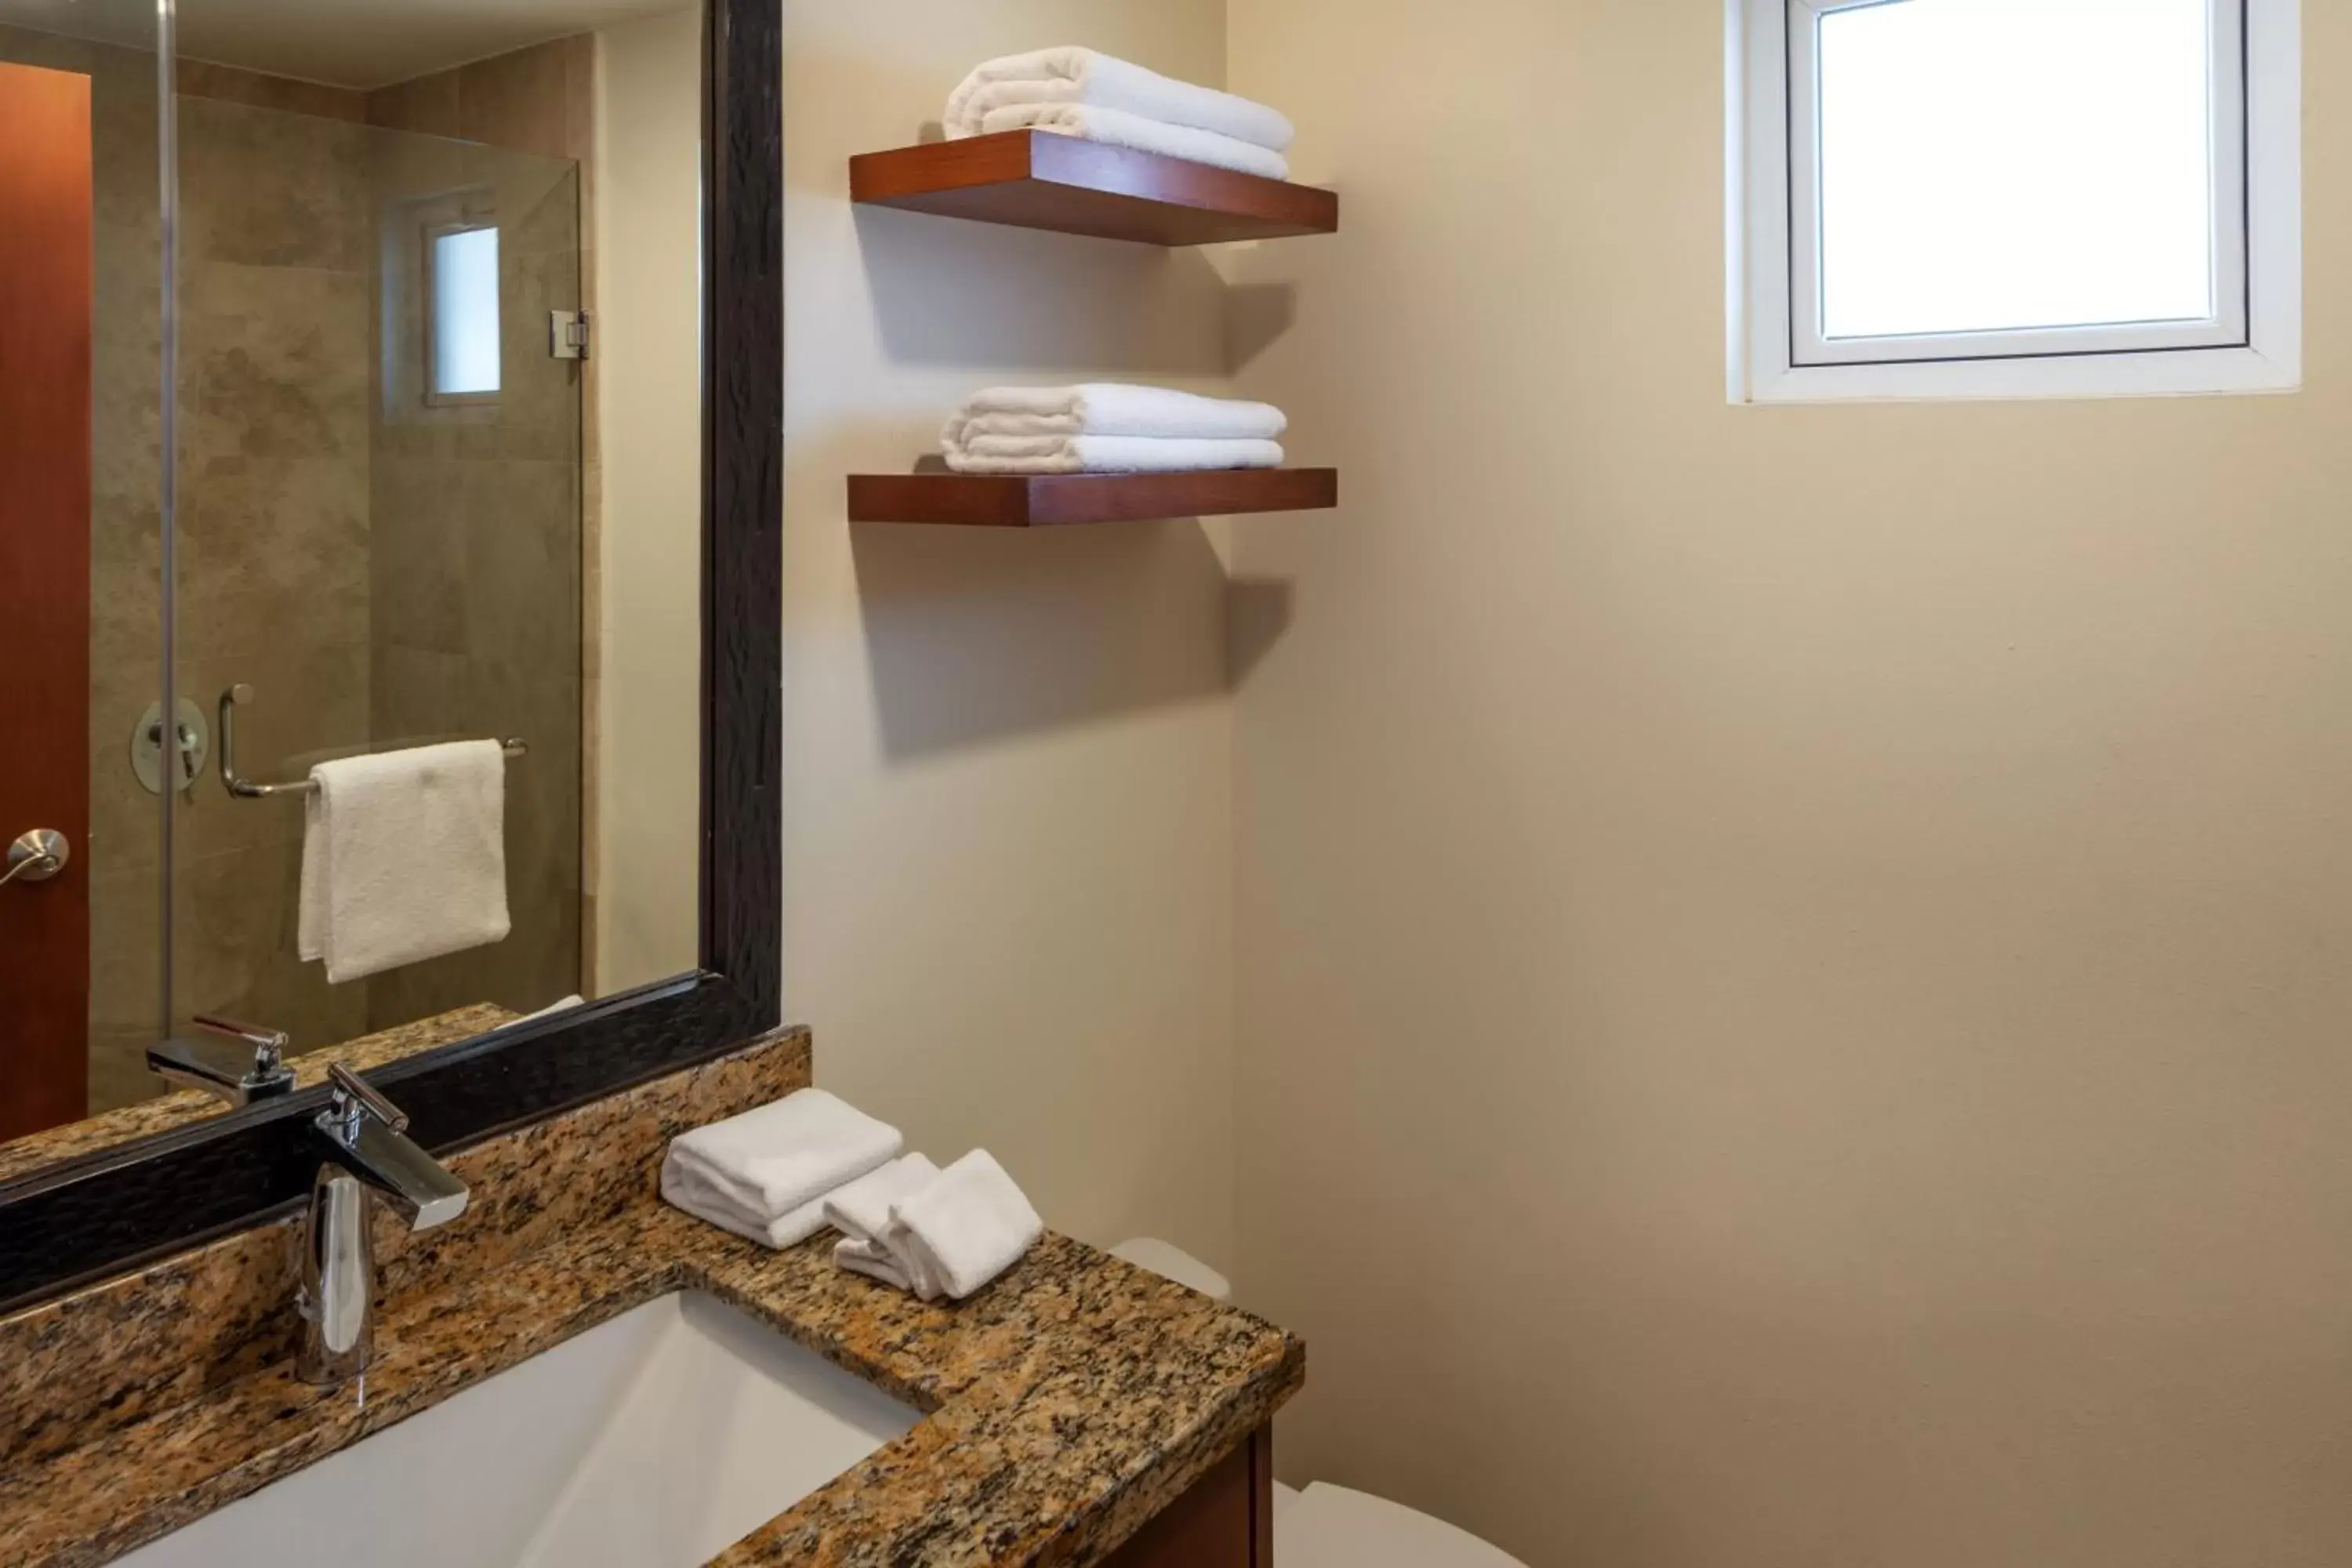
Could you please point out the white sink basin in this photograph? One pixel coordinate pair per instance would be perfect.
(656, 1441)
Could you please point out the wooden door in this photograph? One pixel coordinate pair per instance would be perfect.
(45, 390)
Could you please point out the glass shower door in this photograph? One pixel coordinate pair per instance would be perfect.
(380, 533)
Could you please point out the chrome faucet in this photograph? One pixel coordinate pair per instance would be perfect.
(252, 1068)
(368, 1152)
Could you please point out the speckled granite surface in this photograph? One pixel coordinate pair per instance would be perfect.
(164, 1113)
(74, 1369)
(1065, 1405)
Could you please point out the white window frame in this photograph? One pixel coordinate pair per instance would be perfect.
(1778, 353)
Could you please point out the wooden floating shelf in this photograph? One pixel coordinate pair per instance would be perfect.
(1036, 179)
(1043, 501)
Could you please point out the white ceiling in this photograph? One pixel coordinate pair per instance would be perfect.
(345, 43)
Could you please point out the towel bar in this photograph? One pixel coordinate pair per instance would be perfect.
(243, 789)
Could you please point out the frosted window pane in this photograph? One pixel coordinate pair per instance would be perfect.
(465, 312)
(1991, 165)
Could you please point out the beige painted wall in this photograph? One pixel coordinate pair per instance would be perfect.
(649, 384)
(1794, 963)
(1008, 759)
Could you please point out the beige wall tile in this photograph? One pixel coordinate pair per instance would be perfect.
(428, 105)
(118, 1066)
(126, 977)
(205, 79)
(274, 362)
(272, 189)
(273, 556)
(521, 100)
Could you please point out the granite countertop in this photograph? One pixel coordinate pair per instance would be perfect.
(1064, 1406)
(148, 1116)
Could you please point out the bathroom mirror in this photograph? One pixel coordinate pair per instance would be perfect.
(358, 419)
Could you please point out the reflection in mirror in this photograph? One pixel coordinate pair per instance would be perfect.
(434, 630)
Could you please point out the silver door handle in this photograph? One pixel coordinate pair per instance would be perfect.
(36, 856)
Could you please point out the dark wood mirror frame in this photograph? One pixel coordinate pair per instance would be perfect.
(90, 1217)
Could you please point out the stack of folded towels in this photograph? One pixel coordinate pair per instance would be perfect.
(1078, 92)
(779, 1174)
(1106, 428)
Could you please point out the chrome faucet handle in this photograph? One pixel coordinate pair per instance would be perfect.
(268, 1044)
(239, 1077)
(354, 1094)
(367, 1136)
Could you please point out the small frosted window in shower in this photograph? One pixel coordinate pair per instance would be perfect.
(465, 340)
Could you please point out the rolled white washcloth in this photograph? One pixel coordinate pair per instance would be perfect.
(1108, 455)
(861, 1212)
(1081, 76)
(1111, 409)
(963, 1230)
(1116, 128)
(764, 1175)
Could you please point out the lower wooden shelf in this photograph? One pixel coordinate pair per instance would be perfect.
(1043, 501)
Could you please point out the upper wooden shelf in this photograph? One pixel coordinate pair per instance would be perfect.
(1036, 179)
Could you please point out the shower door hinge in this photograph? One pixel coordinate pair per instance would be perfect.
(567, 334)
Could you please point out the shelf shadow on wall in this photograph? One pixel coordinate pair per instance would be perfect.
(1256, 315)
(952, 293)
(1258, 612)
(976, 635)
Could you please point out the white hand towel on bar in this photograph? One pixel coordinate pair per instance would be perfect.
(404, 858)
(1107, 454)
(1112, 408)
(861, 1212)
(1081, 76)
(963, 1230)
(765, 1174)
(1116, 128)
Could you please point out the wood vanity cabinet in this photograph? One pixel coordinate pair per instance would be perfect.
(1226, 1521)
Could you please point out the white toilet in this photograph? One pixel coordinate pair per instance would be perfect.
(1327, 1526)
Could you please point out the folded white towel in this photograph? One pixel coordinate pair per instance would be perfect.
(1111, 409)
(1108, 455)
(1116, 128)
(875, 1260)
(963, 1230)
(765, 1174)
(861, 1212)
(404, 858)
(1081, 76)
